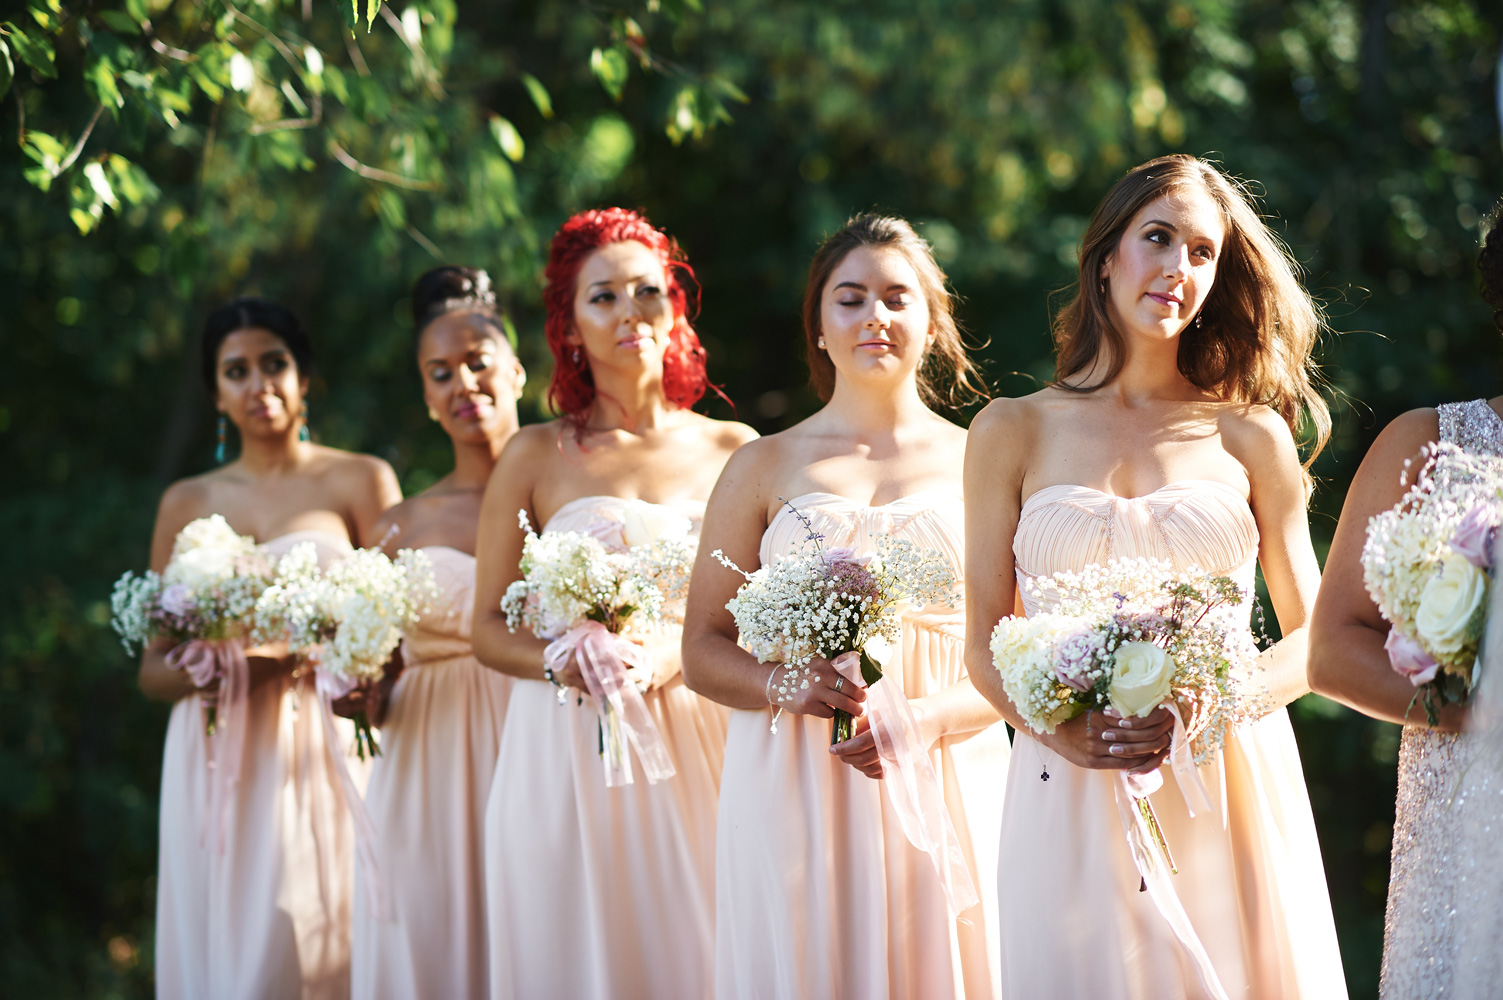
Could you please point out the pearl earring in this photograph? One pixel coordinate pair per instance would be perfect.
(821, 343)
(432, 414)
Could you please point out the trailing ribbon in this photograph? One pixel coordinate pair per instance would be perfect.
(603, 659)
(204, 660)
(329, 689)
(912, 786)
(1151, 853)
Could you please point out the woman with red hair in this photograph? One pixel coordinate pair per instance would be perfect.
(595, 891)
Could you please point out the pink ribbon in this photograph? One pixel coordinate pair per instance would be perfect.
(329, 687)
(1152, 861)
(603, 659)
(204, 660)
(912, 786)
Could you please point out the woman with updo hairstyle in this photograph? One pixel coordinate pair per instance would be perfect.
(1433, 886)
(819, 891)
(1183, 375)
(439, 710)
(595, 891)
(253, 896)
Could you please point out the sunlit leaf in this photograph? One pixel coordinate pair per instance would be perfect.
(610, 68)
(120, 21)
(34, 52)
(539, 95)
(507, 138)
(7, 68)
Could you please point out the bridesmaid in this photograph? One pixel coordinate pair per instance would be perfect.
(269, 914)
(597, 892)
(1184, 367)
(1426, 912)
(818, 891)
(442, 723)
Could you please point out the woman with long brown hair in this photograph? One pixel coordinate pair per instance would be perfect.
(819, 891)
(1184, 373)
(595, 891)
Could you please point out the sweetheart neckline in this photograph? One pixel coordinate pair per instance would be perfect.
(1145, 496)
(311, 531)
(862, 506)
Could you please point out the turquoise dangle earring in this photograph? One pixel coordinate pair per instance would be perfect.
(302, 432)
(219, 447)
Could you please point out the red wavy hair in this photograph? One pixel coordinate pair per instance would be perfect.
(572, 389)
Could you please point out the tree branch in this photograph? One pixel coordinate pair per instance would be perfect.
(78, 147)
(374, 174)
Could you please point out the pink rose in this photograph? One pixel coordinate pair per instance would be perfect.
(177, 599)
(1409, 658)
(1474, 536)
(846, 554)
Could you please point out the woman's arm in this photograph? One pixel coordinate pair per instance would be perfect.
(180, 504)
(376, 493)
(1347, 660)
(713, 664)
(996, 456)
(1262, 442)
(498, 554)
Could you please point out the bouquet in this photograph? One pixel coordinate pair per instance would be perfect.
(588, 591)
(1428, 563)
(826, 602)
(1132, 635)
(348, 618)
(204, 598)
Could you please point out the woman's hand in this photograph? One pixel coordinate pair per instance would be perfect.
(1103, 740)
(827, 691)
(264, 669)
(860, 751)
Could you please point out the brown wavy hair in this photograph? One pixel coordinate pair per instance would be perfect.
(1256, 332)
(947, 377)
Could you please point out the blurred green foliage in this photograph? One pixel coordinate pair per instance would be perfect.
(171, 153)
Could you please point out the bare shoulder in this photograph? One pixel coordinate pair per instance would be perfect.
(728, 435)
(1015, 417)
(395, 523)
(1410, 431)
(757, 459)
(352, 467)
(187, 499)
(1257, 437)
(532, 442)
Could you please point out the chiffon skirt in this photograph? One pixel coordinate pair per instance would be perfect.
(594, 893)
(269, 916)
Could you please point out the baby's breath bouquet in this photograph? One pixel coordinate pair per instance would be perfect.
(207, 594)
(1428, 565)
(1131, 635)
(822, 602)
(588, 592)
(347, 618)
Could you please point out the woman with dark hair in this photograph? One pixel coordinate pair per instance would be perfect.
(1349, 663)
(596, 891)
(1184, 369)
(442, 722)
(261, 907)
(818, 890)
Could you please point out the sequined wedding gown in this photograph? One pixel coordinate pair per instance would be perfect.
(427, 799)
(597, 893)
(1074, 923)
(818, 891)
(269, 916)
(1428, 885)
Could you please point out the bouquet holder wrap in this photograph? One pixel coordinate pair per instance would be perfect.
(1151, 854)
(603, 659)
(331, 688)
(204, 660)
(912, 786)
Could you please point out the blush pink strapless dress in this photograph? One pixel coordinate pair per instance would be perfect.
(1250, 877)
(427, 800)
(270, 916)
(597, 893)
(819, 893)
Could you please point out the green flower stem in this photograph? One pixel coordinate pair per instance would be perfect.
(844, 726)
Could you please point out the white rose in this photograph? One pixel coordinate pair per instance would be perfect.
(1141, 673)
(645, 523)
(1450, 604)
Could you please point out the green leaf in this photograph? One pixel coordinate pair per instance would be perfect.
(610, 68)
(137, 10)
(132, 183)
(34, 52)
(120, 21)
(728, 88)
(7, 68)
(102, 81)
(372, 7)
(539, 94)
(508, 138)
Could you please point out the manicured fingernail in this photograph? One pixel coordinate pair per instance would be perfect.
(1116, 748)
(1126, 724)
(1109, 736)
